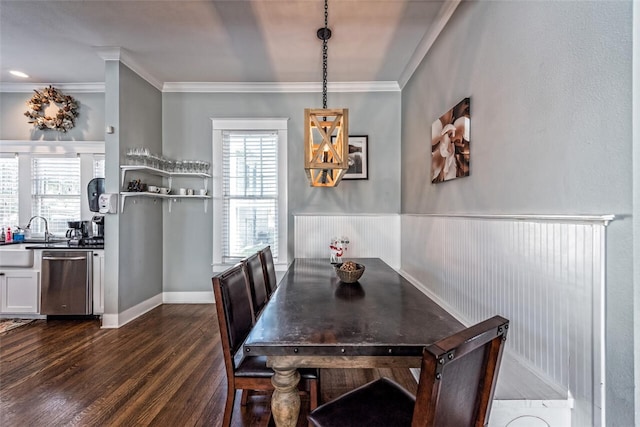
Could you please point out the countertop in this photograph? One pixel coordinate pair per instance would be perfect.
(53, 245)
(63, 246)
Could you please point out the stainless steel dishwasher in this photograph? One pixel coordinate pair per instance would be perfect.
(66, 283)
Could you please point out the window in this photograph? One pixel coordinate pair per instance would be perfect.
(250, 191)
(8, 191)
(98, 166)
(47, 179)
(55, 192)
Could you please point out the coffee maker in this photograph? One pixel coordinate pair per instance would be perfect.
(78, 231)
(98, 237)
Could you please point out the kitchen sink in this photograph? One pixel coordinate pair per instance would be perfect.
(15, 256)
(44, 241)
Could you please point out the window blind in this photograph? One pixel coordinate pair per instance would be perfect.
(8, 191)
(98, 166)
(250, 192)
(55, 192)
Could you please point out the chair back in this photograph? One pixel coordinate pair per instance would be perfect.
(234, 310)
(458, 376)
(257, 284)
(269, 270)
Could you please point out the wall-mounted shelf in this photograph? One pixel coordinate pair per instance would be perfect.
(173, 198)
(159, 172)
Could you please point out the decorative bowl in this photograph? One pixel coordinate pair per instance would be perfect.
(349, 276)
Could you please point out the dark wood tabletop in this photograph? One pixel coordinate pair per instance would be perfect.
(313, 313)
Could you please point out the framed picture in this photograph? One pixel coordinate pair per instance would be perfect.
(358, 157)
(450, 142)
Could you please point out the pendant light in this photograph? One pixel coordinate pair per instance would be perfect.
(326, 131)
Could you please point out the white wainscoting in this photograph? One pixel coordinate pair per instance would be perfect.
(545, 274)
(370, 236)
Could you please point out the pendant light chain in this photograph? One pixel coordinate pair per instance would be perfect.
(324, 55)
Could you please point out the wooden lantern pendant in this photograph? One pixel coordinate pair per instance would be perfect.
(326, 146)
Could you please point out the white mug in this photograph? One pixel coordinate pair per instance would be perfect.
(203, 192)
(164, 190)
(189, 191)
(183, 191)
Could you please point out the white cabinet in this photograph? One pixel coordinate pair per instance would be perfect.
(98, 282)
(19, 291)
(170, 175)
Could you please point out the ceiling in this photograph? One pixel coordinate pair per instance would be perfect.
(232, 41)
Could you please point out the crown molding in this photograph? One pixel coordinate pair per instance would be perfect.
(221, 87)
(97, 87)
(275, 87)
(114, 53)
(445, 13)
(108, 53)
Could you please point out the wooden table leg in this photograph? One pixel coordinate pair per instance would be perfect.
(285, 401)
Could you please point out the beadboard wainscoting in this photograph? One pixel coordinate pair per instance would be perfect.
(545, 274)
(370, 236)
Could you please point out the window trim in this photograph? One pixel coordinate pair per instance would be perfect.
(88, 151)
(249, 124)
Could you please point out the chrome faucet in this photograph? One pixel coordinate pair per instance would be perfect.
(47, 235)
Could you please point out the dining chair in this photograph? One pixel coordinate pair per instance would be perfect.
(235, 319)
(257, 283)
(269, 270)
(457, 382)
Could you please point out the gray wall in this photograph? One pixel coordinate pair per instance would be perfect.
(140, 223)
(636, 196)
(550, 87)
(112, 185)
(14, 124)
(187, 134)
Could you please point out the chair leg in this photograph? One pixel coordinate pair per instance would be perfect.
(245, 397)
(228, 407)
(314, 385)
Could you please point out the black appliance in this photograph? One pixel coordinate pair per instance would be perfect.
(78, 232)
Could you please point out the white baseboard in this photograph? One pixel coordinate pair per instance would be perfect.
(120, 319)
(187, 297)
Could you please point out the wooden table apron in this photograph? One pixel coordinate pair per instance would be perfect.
(314, 320)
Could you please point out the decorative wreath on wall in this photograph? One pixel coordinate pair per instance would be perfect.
(64, 119)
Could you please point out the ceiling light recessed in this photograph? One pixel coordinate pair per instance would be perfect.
(19, 74)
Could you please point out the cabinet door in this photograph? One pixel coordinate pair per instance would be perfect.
(98, 282)
(20, 291)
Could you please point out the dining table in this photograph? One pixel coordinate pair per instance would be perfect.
(313, 320)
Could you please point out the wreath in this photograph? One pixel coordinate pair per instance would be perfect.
(64, 119)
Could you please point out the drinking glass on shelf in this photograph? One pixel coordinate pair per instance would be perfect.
(144, 154)
(178, 166)
(129, 155)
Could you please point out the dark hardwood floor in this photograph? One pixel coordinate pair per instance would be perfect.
(164, 368)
